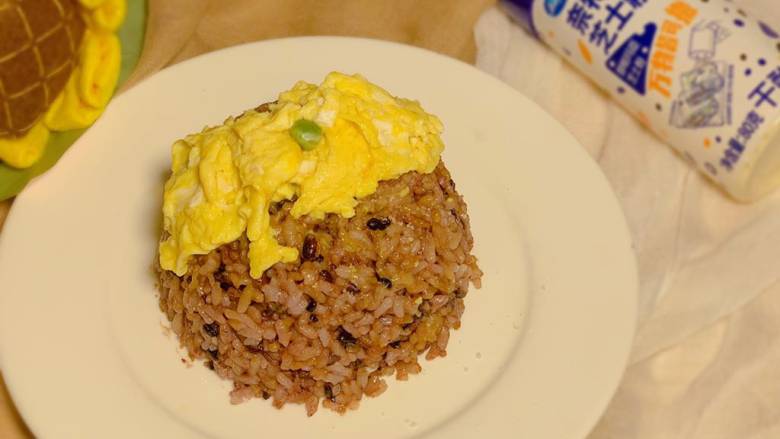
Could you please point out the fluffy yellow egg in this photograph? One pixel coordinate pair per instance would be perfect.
(224, 179)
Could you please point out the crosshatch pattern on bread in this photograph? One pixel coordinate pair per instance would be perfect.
(39, 43)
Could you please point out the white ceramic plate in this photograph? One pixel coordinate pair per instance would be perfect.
(542, 345)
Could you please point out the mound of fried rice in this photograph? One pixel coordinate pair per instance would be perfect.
(368, 295)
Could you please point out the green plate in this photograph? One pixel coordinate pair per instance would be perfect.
(131, 34)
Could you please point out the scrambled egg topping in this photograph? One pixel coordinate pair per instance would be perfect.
(225, 178)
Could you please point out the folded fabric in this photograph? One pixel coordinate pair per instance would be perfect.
(701, 255)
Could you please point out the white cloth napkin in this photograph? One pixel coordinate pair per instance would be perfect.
(701, 255)
(721, 383)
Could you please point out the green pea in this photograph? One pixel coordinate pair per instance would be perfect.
(306, 133)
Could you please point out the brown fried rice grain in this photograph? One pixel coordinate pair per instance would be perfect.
(368, 296)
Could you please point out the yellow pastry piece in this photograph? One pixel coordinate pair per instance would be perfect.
(91, 4)
(109, 15)
(69, 111)
(24, 151)
(91, 85)
(100, 61)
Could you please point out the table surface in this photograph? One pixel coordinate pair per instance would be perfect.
(181, 29)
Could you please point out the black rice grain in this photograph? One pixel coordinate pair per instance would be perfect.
(379, 223)
(387, 283)
(312, 305)
(329, 392)
(345, 338)
(352, 288)
(211, 329)
(326, 276)
(309, 250)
